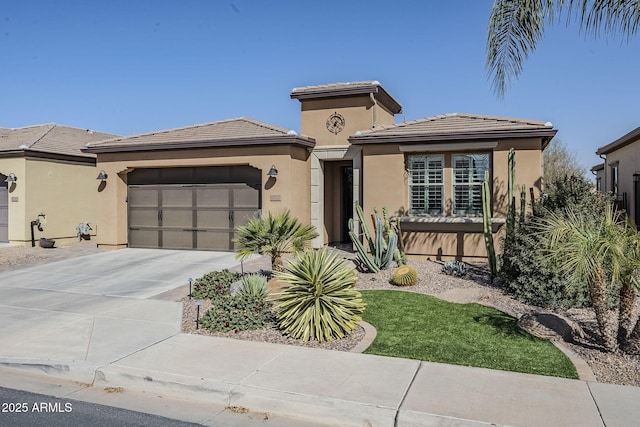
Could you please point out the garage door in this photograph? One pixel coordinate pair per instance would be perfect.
(200, 215)
(4, 214)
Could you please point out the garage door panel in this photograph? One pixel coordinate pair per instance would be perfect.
(241, 217)
(177, 239)
(140, 196)
(213, 219)
(245, 197)
(177, 196)
(212, 197)
(177, 218)
(213, 239)
(142, 217)
(141, 238)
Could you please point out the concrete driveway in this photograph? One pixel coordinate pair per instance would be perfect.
(86, 312)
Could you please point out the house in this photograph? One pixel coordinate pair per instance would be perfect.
(189, 188)
(620, 172)
(47, 179)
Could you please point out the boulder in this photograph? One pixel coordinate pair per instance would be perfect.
(551, 326)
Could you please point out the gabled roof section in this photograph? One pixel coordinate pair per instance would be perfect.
(455, 126)
(623, 141)
(224, 133)
(334, 90)
(48, 138)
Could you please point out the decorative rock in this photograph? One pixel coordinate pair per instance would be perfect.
(551, 326)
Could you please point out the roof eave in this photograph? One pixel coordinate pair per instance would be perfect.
(547, 134)
(218, 143)
(623, 141)
(379, 92)
(77, 158)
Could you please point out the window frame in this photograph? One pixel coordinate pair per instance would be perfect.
(426, 184)
(471, 183)
(447, 185)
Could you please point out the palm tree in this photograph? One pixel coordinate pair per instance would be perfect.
(629, 284)
(273, 235)
(590, 248)
(517, 26)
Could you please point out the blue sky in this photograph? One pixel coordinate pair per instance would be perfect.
(137, 66)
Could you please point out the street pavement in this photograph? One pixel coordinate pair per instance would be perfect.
(95, 324)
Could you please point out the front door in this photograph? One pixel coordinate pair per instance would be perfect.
(347, 201)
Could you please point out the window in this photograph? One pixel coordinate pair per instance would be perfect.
(426, 184)
(468, 174)
(614, 178)
(599, 184)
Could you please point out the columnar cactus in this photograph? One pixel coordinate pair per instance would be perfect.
(382, 250)
(486, 222)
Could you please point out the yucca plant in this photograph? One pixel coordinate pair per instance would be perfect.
(320, 302)
(254, 286)
(273, 235)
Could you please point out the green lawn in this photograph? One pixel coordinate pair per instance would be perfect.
(422, 327)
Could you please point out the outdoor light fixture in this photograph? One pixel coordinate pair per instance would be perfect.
(12, 178)
(273, 171)
(102, 175)
(190, 282)
(636, 177)
(198, 304)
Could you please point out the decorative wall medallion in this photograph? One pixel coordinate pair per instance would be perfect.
(335, 123)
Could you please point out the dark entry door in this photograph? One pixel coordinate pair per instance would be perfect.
(347, 201)
(189, 216)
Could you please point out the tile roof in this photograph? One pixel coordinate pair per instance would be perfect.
(455, 126)
(231, 132)
(333, 90)
(49, 138)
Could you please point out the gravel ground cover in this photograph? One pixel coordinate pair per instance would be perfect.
(608, 368)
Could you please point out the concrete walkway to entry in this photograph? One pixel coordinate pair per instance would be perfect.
(91, 320)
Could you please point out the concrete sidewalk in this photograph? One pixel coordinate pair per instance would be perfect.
(75, 322)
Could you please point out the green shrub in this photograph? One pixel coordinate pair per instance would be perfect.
(320, 302)
(235, 313)
(526, 270)
(214, 284)
(254, 286)
(405, 275)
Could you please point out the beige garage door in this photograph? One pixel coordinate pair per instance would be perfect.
(189, 216)
(4, 214)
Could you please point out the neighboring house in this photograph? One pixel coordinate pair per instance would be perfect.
(45, 177)
(598, 172)
(620, 172)
(191, 187)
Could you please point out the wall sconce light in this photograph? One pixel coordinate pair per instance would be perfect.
(636, 177)
(11, 178)
(273, 171)
(102, 175)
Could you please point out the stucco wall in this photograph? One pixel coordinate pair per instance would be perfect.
(64, 192)
(358, 112)
(628, 160)
(386, 184)
(289, 190)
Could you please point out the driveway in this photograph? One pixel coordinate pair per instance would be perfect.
(82, 313)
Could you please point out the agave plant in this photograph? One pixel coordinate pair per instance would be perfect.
(273, 235)
(320, 302)
(254, 286)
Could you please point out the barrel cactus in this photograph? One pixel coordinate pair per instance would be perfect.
(405, 275)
